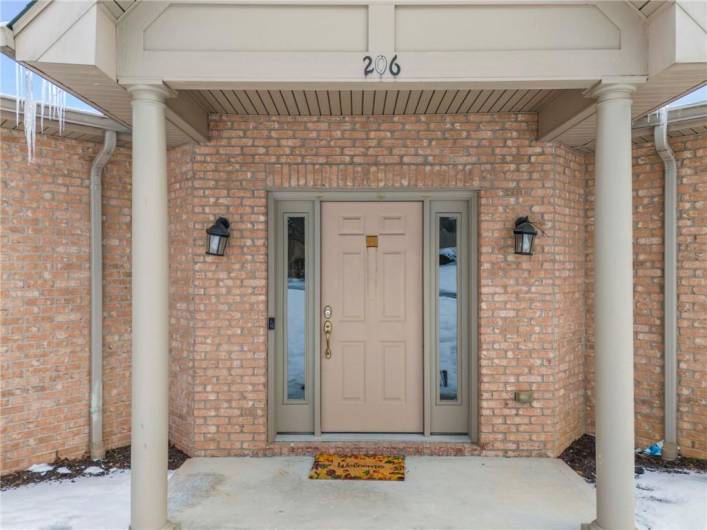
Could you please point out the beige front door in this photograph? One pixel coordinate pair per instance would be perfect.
(372, 281)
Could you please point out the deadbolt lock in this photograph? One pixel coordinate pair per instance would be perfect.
(327, 311)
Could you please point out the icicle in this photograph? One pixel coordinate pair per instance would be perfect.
(18, 98)
(52, 104)
(62, 111)
(43, 101)
(30, 114)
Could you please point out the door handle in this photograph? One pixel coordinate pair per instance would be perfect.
(328, 326)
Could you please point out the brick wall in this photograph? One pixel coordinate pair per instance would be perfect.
(691, 154)
(533, 326)
(117, 312)
(45, 299)
(181, 269)
(692, 295)
(570, 303)
(520, 296)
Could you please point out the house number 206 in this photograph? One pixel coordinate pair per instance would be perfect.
(380, 65)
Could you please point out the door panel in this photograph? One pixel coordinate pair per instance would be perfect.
(373, 381)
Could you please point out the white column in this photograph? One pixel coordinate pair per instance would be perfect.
(613, 309)
(150, 310)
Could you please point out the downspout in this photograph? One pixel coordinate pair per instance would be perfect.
(96, 429)
(670, 446)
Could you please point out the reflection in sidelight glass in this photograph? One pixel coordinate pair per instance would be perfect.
(295, 308)
(447, 331)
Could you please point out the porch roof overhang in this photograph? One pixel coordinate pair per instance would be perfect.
(78, 124)
(295, 57)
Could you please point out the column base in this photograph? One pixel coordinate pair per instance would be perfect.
(594, 525)
(169, 525)
(670, 451)
(97, 451)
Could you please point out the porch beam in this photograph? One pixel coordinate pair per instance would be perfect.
(150, 310)
(613, 308)
(286, 43)
(562, 113)
(185, 113)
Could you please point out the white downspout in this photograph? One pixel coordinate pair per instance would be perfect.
(670, 446)
(96, 432)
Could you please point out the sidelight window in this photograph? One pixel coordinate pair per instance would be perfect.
(448, 306)
(296, 308)
(450, 291)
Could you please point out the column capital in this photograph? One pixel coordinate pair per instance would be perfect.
(145, 91)
(620, 88)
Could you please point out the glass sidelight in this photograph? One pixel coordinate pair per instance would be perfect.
(293, 271)
(296, 307)
(450, 324)
(448, 311)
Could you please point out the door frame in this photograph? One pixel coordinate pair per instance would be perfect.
(316, 197)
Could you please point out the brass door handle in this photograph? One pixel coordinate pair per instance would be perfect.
(327, 333)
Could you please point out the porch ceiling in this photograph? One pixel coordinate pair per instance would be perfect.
(370, 102)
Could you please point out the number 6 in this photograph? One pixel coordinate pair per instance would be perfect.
(394, 66)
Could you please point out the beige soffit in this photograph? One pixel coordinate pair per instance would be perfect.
(370, 102)
(78, 124)
(683, 121)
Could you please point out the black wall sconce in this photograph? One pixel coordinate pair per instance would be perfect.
(217, 237)
(524, 233)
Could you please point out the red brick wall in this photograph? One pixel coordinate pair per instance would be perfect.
(570, 302)
(117, 313)
(45, 299)
(521, 333)
(692, 295)
(534, 328)
(691, 154)
(181, 268)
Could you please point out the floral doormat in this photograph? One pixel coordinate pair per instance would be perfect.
(357, 467)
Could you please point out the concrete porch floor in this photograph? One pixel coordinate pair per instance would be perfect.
(439, 492)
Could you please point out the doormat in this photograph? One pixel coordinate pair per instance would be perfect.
(357, 467)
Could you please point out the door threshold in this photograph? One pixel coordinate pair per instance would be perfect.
(374, 437)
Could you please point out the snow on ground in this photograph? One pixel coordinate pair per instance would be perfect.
(671, 500)
(40, 468)
(90, 503)
(664, 501)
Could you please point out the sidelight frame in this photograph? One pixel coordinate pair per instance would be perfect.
(293, 415)
(281, 200)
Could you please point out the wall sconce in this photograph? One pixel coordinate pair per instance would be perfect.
(524, 233)
(217, 237)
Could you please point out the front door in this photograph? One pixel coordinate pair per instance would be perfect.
(371, 269)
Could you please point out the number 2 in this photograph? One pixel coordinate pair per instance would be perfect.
(380, 65)
(368, 68)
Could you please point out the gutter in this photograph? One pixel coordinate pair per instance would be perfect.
(96, 407)
(22, 12)
(670, 446)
